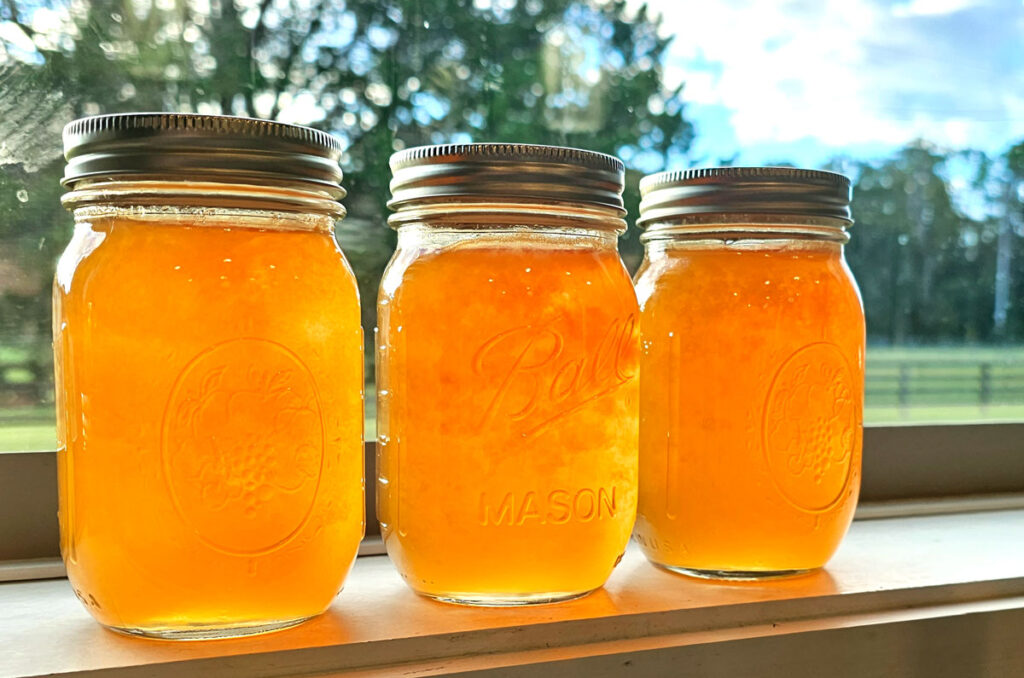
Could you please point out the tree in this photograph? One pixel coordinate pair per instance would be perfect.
(380, 75)
(1012, 216)
(925, 263)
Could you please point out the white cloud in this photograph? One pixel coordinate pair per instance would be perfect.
(13, 34)
(931, 7)
(853, 72)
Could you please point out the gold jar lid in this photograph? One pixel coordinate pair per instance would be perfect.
(195, 147)
(506, 172)
(751, 194)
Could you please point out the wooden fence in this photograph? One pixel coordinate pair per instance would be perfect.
(908, 382)
(892, 381)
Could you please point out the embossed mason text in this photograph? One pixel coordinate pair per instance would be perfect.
(556, 507)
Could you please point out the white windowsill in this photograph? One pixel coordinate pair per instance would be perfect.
(900, 596)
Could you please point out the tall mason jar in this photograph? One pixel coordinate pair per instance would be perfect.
(209, 375)
(752, 372)
(507, 374)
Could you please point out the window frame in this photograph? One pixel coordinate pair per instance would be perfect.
(30, 534)
(907, 470)
(900, 592)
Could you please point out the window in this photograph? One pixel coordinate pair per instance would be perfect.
(918, 100)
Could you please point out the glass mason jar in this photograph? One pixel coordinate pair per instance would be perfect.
(209, 375)
(752, 373)
(507, 374)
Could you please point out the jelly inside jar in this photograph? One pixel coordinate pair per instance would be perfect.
(751, 405)
(507, 388)
(210, 414)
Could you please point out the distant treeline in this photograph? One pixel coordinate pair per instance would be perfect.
(938, 247)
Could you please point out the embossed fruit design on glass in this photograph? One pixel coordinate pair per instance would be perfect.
(507, 374)
(209, 376)
(752, 371)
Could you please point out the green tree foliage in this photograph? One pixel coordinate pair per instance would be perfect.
(392, 74)
(925, 253)
(381, 75)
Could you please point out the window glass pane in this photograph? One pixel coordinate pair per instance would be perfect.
(919, 100)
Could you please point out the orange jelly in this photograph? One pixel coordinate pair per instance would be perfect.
(752, 377)
(507, 406)
(209, 369)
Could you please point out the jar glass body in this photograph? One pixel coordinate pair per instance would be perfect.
(209, 377)
(752, 387)
(507, 414)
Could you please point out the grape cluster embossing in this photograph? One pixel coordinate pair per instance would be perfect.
(243, 446)
(810, 427)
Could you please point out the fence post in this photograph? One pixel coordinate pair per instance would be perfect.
(985, 388)
(904, 386)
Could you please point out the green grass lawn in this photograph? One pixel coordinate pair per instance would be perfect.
(951, 373)
(950, 414)
(27, 438)
(882, 354)
(41, 436)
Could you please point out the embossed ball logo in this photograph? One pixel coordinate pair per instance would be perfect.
(810, 427)
(243, 445)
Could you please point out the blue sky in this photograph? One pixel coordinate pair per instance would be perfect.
(804, 80)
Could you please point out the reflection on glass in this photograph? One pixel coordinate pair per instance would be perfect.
(939, 183)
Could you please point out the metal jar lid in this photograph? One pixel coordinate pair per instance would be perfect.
(757, 194)
(185, 146)
(506, 172)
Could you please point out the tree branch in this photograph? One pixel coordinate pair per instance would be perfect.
(260, 31)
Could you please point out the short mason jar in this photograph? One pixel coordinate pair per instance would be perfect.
(507, 362)
(752, 373)
(209, 373)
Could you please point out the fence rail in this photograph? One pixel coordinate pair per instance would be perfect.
(911, 381)
(903, 381)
